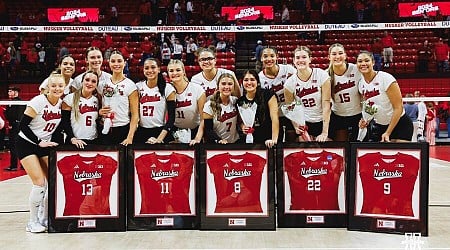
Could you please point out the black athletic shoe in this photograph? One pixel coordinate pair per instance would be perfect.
(10, 169)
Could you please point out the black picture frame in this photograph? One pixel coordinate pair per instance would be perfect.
(317, 173)
(259, 211)
(141, 217)
(391, 197)
(69, 212)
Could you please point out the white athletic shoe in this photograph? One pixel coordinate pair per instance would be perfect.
(35, 227)
(44, 223)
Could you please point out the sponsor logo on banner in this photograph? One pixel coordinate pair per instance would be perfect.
(363, 25)
(220, 28)
(253, 27)
(445, 24)
(127, 28)
(108, 28)
(14, 28)
(240, 27)
(334, 26)
(146, 28)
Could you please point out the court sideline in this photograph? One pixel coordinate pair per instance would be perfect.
(14, 214)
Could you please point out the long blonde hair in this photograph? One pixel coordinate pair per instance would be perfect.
(77, 95)
(179, 62)
(215, 99)
(330, 67)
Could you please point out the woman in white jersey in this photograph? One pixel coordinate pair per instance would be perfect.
(94, 61)
(190, 100)
(80, 112)
(220, 113)
(346, 100)
(123, 100)
(156, 100)
(67, 67)
(390, 123)
(40, 119)
(310, 86)
(273, 77)
(207, 78)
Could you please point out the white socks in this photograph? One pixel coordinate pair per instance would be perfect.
(36, 198)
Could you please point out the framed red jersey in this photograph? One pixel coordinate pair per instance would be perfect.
(162, 187)
(389, 188)
(237, 187)
(311, 180)
(86, 189)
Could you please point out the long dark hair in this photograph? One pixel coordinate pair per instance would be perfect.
(160, 81)
(259, 97)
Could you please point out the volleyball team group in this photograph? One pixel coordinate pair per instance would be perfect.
(97, 107)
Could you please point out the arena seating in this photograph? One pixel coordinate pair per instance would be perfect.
(405, 52)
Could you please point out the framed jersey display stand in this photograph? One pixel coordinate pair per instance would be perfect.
(86, 189)
(389, 188)
(237, 187)
(311, 184)
(162, 184)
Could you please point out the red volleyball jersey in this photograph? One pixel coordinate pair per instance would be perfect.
(165, 182)
(237, 179)
(314, 180)
(388, 183)
(87, 184)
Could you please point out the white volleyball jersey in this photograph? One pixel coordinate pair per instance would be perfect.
(277, 84)
(152, 106)
(47, 118)
(119, 102)
(225, 126)
(375, 93)
(186, 112)
(209, 86)
(309, 93)
(44, 85)
(347, 100)
(85, 127)
(103, 79)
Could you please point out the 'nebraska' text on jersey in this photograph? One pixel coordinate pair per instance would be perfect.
(388, 183)
(87, 184)
(314, 180)
(152, 105)
(165, 183)
(237, 179)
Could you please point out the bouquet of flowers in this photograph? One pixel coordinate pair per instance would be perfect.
(108, 93)
(296, 113)
(368, 112)
(247, 111)
(182, 135)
